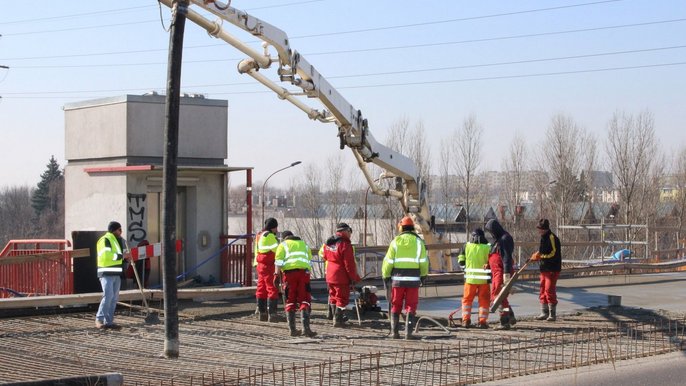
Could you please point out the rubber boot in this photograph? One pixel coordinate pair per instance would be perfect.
(290, 317)
(544, 312)
(338, 320)
(410, 324)
(395, 325)
(553, 312)
(512, 320)
(305, 316)
(262, 309)
(504, 321)
(273, 315)
(329, 312)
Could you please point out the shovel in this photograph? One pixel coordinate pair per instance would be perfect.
(151, 317)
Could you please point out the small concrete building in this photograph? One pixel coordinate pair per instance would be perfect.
(114, 152)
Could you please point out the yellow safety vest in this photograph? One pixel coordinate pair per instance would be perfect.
(109, 258)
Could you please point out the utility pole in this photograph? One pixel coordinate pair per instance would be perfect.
(171, 150)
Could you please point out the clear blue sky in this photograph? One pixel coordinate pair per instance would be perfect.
(441, 61)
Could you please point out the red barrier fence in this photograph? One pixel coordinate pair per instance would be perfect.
(236, 260)
(52, 275)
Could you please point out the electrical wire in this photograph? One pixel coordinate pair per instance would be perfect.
(33, 20)
(524, 61)
(507, 37)
(445, 81)
(399, 26)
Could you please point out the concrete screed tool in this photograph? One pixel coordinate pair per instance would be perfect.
(507, 287)
(151, 317)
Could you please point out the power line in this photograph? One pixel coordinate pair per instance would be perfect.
(399, 26)
(517, 76)
(32, 20)
(121, 10)
(480, 40)
(456, 20)
(524, 61)
(81, 28)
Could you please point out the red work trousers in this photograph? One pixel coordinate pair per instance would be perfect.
(496, 264)
(548, 289)
(339, 294)
(297, 295)
(265, 282)
(409, 295)
(483, 291)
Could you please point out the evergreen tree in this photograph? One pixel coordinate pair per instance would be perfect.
(42, 198)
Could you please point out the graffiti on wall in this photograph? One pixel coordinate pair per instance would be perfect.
(136, 209)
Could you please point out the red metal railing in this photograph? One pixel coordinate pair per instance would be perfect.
(37, 277)
(236, 260)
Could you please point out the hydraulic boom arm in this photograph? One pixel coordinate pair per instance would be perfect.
(353, 130)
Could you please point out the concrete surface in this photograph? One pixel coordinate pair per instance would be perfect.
(664, 370)
(651, 291)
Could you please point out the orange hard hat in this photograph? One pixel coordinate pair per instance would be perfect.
(406, 221)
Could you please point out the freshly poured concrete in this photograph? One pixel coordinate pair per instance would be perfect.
(651, 291)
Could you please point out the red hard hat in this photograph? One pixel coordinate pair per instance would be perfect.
(406, 221)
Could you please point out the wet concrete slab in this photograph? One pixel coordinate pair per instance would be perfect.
(665, 291)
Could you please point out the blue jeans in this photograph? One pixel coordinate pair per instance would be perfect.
(110, 295)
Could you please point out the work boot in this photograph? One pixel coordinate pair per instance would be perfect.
(329, 312)
(466, 323)
(512, 320)
(553, 311)
(410, 324)
(290, 317)
(504, 321)
(305, 315)
(338, 317)
(395, 325)
(483, 325)
(262, 310)
(544, 312)
(273, 315)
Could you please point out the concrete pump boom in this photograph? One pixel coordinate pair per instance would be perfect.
(353, 130)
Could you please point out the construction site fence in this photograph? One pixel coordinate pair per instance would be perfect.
(471, 361)
(37, 277)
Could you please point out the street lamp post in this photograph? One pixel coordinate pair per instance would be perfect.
(265, 184)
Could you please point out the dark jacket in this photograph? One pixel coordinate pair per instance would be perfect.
(551, 253)
(504, 244)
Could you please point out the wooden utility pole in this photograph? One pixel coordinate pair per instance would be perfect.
(171, 142)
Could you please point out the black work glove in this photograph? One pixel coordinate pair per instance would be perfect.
(387, 281)
(422, 280)
(277, 281)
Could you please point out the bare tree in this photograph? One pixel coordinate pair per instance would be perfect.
(447, 190)
(467, 158)
(631, 147)
(16, 214)
(562, 155)
(308, 224)
(590, 161)
(514, 167)
(334, 182)
(680, 177)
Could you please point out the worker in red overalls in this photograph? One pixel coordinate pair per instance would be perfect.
(341, 271)
(501, 264)
(294, 259)
(267, 294)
